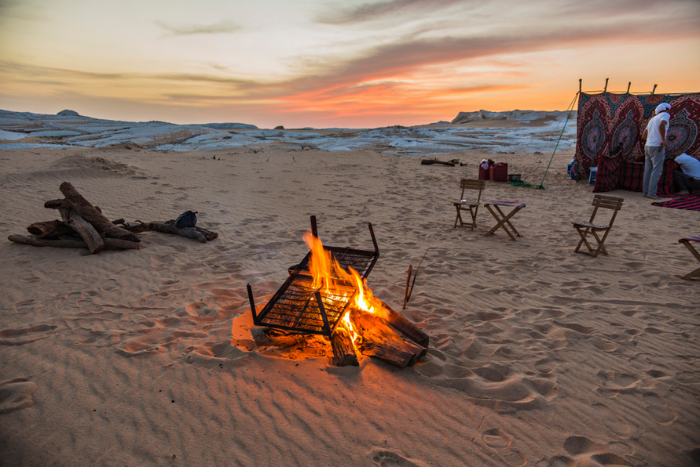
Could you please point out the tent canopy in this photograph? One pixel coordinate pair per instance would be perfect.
(607, 119)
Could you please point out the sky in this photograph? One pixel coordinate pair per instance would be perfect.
(326, 63)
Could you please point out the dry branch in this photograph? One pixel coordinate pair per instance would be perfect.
(188, 232)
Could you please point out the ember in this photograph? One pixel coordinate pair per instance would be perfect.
(326, 295)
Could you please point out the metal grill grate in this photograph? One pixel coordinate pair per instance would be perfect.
(360, 260)
(297, 306)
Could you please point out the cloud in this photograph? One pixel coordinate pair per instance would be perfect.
(379, 10)
(222, 27)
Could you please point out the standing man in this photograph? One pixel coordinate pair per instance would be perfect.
(655, 149)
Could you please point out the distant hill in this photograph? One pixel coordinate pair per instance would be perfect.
(515, 115)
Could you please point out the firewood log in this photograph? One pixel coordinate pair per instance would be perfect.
(380, 340)
(74, 200)
(86, 231)
(266, 337)
(65, 242)
(407, 328)
(188, 232)
(343, 350)
(48, 229)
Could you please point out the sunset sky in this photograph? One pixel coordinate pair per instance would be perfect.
(336, 64)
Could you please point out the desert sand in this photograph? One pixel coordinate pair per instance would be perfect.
(538, 356)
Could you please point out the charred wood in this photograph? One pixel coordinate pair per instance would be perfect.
(405, 327)
(380, 340)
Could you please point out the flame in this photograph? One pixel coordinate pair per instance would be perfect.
(328, 276)
(347, 324)
(362, 291)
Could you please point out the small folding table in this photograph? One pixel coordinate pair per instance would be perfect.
(502, 218)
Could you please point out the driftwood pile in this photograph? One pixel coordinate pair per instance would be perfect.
(84, 226)
(450, 163)
(395, 340)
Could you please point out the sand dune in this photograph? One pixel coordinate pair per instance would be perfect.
(539, 356)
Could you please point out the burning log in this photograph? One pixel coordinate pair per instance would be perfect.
(267, 337)
(86, 231)
(379, 340)
(74, 200)
(343, 349)
(407, 328)
(109, 243)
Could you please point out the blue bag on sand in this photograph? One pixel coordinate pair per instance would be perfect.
(186, 219)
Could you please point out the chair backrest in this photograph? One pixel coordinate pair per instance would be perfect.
(467, 184)
(606, 202)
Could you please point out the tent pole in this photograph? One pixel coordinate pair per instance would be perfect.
(652, 91)
(606, 85)
(628, 87)
(580, 80)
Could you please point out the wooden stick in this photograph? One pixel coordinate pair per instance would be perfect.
(408, 296)
(408, 283)
(606, 85)
(86, 231)
(110, 243)
(343, 350)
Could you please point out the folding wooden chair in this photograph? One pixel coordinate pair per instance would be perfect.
(471, 206)
(584, 228)
(686, 241)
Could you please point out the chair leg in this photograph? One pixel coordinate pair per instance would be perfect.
(695, 253)
(501, 222)
(583, 240)
(458, 218)
(601, 243)
(507, 221)
(473, 214)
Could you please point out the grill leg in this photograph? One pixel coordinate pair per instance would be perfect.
(252, 304)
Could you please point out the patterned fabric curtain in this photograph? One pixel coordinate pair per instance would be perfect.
(606, 120)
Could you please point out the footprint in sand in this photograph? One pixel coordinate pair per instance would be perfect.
(389, 458)
(109, 285)
(25, 335)
(612, 421)
(16, 394)
(585, 450)
(658, 409)
(546, 365)
(620, 382)
(500, 443)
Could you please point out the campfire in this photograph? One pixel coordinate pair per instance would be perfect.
(327, 294)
